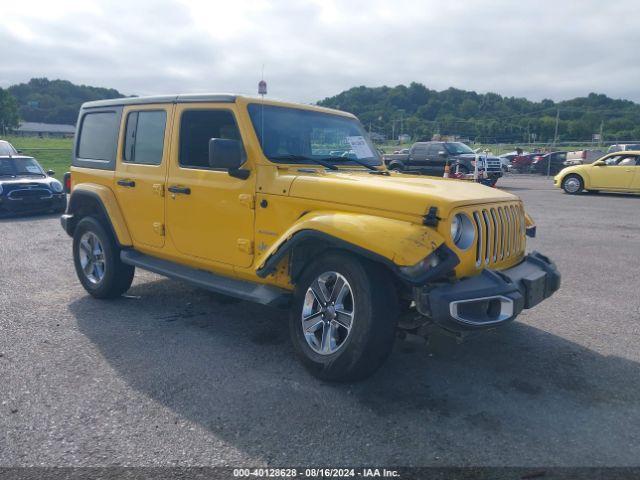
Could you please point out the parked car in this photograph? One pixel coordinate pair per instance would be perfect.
(616, 172)
(430, 158)
(540, 163)
(623, 147)
(340, 241)
(25, 187)
(579, 157)
(522, 163)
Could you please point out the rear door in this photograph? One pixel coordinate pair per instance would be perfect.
(141, 171)
(435, 163)
(418, 157)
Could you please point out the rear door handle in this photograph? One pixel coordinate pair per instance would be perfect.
(178, 189)
(127, 183)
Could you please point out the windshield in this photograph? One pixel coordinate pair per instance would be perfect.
(294, 135)
(457, 148)
(7, 149)
(11, 167)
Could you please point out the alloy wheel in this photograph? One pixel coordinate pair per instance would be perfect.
(328, 313)
(92, 261)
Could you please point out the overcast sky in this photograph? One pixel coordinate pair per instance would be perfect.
(316, 48)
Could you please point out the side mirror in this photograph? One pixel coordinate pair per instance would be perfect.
(227, 154)
(51, 173)
(599, 163)
(19, 151)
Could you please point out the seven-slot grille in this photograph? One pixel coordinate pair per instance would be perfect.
(499, 233)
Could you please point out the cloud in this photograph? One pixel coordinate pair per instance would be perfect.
(316, 48)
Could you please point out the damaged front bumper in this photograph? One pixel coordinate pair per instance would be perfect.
(491, 298)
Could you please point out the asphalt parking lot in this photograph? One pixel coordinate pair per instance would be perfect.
(173, 375)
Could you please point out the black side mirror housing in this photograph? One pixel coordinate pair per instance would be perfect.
(229, 155)
(51, 173)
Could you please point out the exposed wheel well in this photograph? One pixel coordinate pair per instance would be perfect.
(302, 255)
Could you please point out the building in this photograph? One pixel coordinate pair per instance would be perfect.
(37, 129)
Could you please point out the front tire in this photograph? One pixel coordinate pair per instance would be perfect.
(344, 317)
(97, 260)
(572, 184)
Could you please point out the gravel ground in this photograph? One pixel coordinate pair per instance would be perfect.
(173, 375)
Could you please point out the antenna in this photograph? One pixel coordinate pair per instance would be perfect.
(262, 91)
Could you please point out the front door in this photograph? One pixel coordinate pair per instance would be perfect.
(209, 213)
(618, 174)
(141, 172)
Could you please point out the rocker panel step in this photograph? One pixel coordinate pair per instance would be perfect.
(253, 292)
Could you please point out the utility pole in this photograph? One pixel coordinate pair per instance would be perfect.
(555, 139)
(601, 128)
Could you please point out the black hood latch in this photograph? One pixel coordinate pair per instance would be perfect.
(431, 219)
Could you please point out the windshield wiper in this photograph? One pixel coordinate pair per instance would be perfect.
(302, 158)
(31, 173)
(354, 160)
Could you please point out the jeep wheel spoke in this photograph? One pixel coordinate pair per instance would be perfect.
(327, 313)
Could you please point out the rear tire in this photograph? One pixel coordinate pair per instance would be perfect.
(573, 184)
(397, 167)
(366, 301)
(97, 260)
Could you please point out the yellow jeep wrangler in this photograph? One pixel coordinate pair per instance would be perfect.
(291, 205)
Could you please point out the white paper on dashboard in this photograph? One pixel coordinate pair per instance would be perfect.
(360, 147)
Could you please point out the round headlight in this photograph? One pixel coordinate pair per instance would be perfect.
(462, 231)
(56, 186)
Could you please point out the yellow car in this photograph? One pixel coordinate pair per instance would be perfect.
(291, 205)
(616, 172)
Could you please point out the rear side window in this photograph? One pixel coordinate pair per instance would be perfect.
(197, 127)
(97, 135)
(144, 139)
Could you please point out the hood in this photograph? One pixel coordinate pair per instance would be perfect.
(27, 181)
(471, 156)
(400, 193)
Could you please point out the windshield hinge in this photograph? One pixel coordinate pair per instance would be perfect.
(431, 219)
(247, 200)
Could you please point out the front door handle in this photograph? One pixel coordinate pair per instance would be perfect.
(178, 189)
(127, 183)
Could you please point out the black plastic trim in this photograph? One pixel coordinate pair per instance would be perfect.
(69, 220)
(250, 291)
(530, 282)
(448, 257)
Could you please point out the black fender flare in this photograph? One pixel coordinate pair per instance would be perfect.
(450, 259)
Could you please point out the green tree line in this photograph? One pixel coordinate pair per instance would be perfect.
(489, 117)
(55, 101)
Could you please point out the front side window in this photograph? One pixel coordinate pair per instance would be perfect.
(621, 160)
(197, 127)
(144, 138)
(96, 136)
(457, 148)
(435, 148)
(292, 135)
(628, 161)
